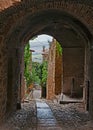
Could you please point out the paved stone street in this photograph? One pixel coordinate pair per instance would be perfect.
(36, 93)
(46, 115)
(45, 118)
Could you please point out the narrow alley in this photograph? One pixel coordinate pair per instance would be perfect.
(46, 64)
(46, 115)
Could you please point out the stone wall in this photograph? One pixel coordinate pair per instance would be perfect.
(7, 3)
(51, 72)
(54, 72)
(73, 70)
(58, 72)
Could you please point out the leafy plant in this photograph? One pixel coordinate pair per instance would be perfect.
(36, 72)
(44, 72)
(39, 72)
(27, 65)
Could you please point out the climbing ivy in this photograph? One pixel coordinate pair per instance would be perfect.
(58, 49)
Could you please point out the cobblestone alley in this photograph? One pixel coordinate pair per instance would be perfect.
(46, 115)
(64, 69)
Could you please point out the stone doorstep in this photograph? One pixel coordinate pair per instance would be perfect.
(67, 102)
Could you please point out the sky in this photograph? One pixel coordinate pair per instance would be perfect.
(37, 45)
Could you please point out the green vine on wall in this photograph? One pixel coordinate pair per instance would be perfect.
(58, 49)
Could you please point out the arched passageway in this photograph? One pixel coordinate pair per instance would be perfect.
(64, 20)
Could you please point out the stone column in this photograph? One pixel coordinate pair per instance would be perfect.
(9, 84)
(22, 82)
(86, 79)
(13, 79)
(91, 84)
(10, 79)
(17, 78)
(3, 79)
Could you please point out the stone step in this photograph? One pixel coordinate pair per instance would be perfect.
(49, 128)
(67, 102)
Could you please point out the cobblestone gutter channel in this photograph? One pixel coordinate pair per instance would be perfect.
(71, 116)
(45, 118)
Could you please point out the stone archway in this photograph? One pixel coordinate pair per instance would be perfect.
(26, 19)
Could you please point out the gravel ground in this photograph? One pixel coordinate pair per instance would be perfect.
(71, 116)
(22, 119)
